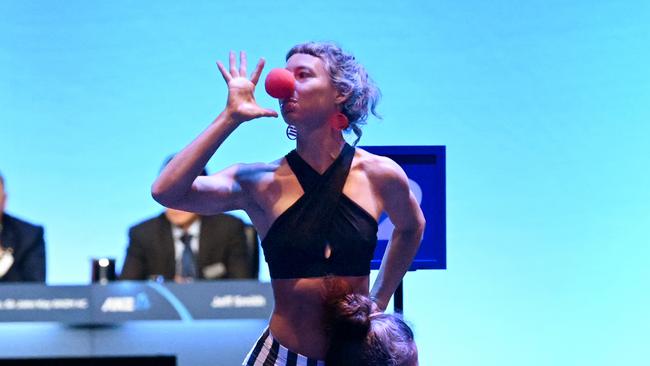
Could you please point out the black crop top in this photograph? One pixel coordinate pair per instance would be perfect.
(294, 246)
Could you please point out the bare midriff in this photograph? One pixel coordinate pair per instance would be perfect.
(298, 319)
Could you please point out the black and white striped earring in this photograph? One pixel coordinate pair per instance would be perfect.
(292, 132)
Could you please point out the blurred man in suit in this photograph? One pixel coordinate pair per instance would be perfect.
(182, 246)
(22, 247)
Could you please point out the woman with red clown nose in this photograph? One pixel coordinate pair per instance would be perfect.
(316, 208)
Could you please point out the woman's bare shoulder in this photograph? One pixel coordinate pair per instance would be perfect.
(378, 168)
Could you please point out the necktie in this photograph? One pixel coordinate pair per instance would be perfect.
(188, 267)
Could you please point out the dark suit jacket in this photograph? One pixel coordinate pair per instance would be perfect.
(28, 250)
(222, 243)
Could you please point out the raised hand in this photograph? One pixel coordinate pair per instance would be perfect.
(241, 103)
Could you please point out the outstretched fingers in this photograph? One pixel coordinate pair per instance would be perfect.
(224, 72)
(242, 63)
(233, 65)
(255, 76)
(233, 72)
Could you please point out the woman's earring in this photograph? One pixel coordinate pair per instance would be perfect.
(292, 132)
(339, 121)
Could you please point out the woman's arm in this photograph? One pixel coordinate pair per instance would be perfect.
(179, 185)
(405, 213)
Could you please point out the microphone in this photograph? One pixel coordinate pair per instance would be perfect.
(280, 83)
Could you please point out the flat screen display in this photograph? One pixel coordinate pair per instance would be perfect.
(425, 168)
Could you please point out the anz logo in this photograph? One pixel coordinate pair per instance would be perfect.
(126, 304)
(385, 225)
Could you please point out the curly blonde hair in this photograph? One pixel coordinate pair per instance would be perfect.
(349, 78)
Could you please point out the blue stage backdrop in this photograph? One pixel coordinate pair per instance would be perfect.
(542, 106)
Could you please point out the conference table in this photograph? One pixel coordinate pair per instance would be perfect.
(200, 323)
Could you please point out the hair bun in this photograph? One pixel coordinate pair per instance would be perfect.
(351, 316)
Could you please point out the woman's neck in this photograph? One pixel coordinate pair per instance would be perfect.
(319, 148)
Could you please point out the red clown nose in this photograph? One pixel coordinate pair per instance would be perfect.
(280, 83)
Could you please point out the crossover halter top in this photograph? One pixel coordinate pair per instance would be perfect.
(294, 246)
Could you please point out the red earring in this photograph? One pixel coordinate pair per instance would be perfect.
(339, 121)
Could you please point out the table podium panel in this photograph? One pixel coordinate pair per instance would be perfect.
(119, 302)
(203, 323)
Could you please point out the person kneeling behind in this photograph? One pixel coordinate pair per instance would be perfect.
(361, 336)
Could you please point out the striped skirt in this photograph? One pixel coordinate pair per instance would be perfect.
(269, 352)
